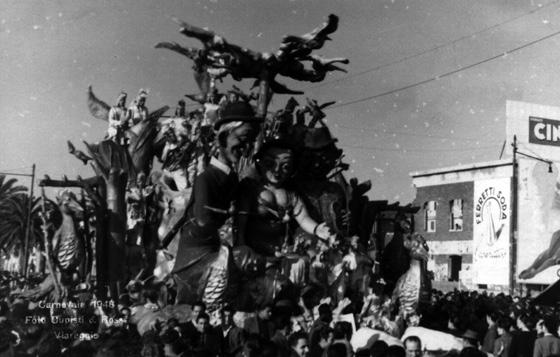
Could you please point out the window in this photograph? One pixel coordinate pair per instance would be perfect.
(456, 215)
(430, 214)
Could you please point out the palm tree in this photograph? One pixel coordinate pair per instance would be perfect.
(8, 188)
(13, 223)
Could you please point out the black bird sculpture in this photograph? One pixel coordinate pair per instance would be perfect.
(79, 154)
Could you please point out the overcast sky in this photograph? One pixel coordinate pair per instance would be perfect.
(52, 50)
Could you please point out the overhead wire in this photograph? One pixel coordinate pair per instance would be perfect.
(433, 49)
(430, 136)
(17, 169)
(412, 150)
(446, 74)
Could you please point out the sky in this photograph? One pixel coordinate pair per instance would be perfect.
(50, 51)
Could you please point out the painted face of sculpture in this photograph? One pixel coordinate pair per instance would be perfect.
(121, 101)
(417, 246)
(237, 143)
(68, 202)
(277, 165)
(141, 180)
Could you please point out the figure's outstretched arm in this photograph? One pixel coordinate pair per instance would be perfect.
(302, 217)
(307, 223)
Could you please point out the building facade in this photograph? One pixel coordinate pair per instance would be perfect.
(448, 216)
(496, 225)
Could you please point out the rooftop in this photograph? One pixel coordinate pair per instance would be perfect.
(466, 167)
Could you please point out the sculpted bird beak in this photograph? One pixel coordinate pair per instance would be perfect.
(75, 206)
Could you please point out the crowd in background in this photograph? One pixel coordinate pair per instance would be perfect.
(141, 324)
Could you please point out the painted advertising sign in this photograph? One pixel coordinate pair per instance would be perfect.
(537, 128)
(491, 231)
(538, 247)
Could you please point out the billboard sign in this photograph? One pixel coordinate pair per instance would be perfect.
(544, 131)
(537, 128)
(491, 231)
(538, 246)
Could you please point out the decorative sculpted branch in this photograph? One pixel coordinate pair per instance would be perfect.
(289, 60)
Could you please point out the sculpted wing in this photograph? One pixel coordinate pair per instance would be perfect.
(191, 53)
(205, 36)
(98, 108)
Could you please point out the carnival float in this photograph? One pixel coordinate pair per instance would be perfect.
(228, 200)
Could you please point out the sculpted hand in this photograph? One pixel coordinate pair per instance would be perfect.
(323, 231)
(344, 303)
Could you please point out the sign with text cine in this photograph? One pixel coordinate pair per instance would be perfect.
(544, 131)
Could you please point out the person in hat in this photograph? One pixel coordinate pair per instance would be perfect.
(212, 196)
(138, 111)
(470, 338)
(318, 156)
(118, 119)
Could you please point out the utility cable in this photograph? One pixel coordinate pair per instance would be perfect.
(433, 49)
(412, 150)
(447, 74)
(429, 136)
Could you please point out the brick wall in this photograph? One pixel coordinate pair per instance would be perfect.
(443, 194)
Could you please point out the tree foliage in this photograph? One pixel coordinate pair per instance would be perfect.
(8, 188)
(13, 211)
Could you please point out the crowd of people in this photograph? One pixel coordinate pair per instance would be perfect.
(143, 324)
